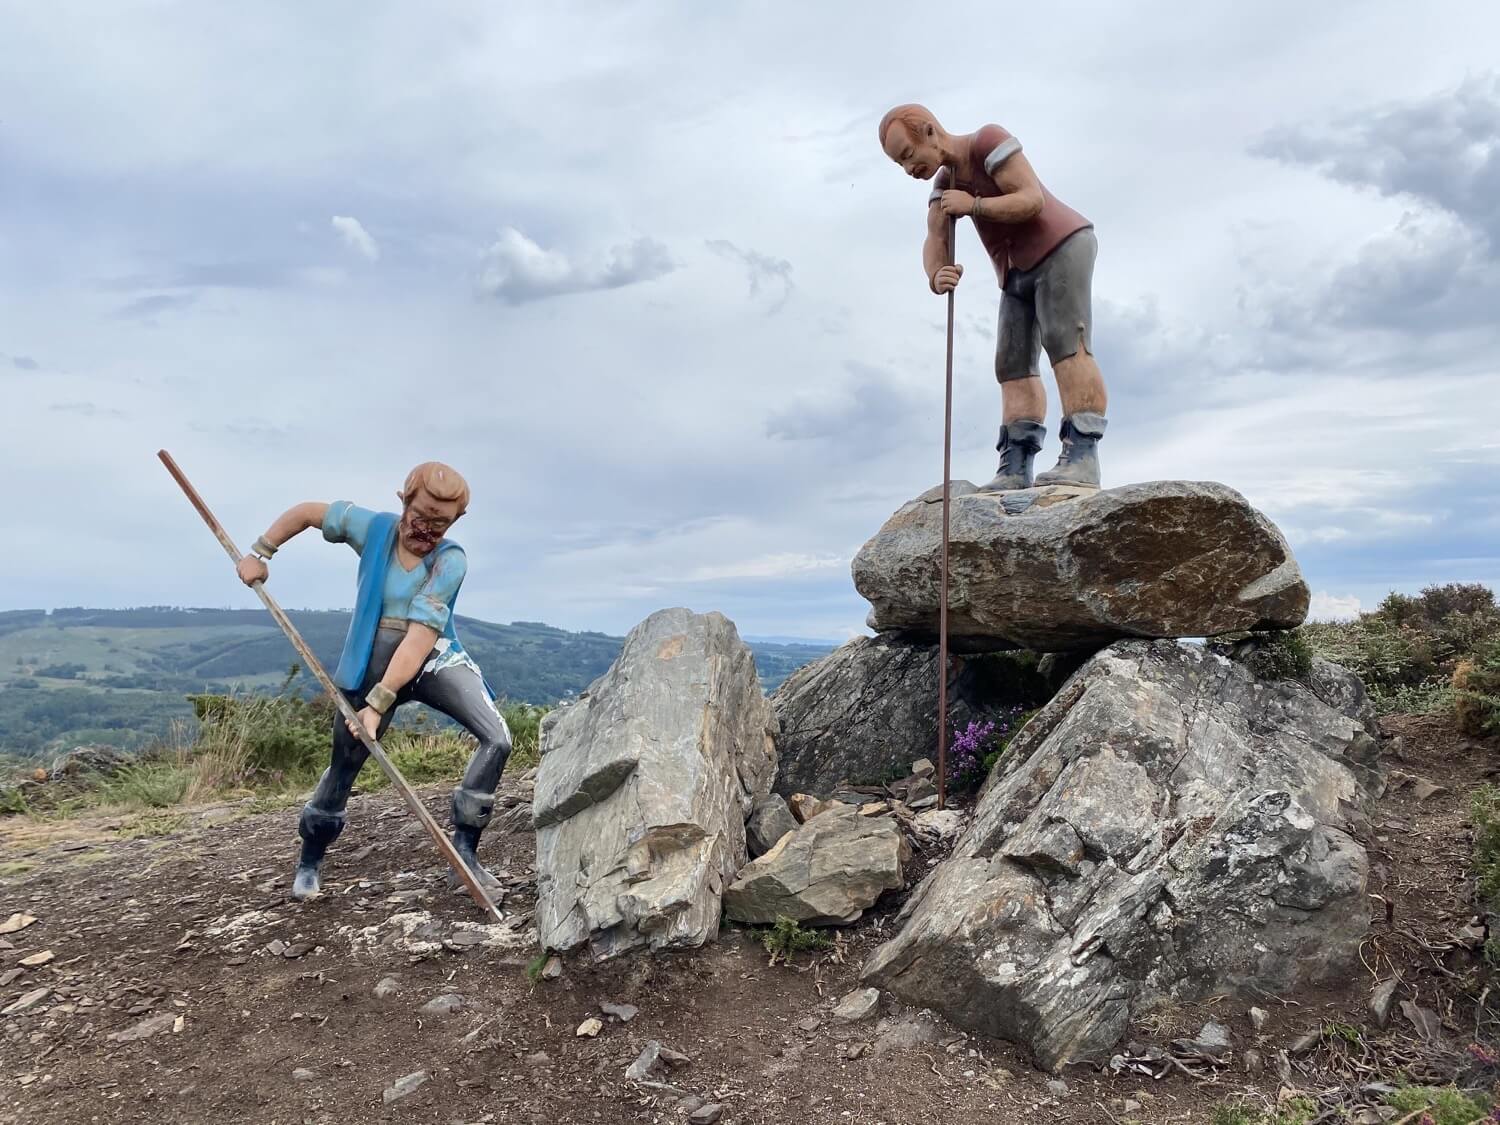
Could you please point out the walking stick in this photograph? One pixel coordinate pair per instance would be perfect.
(942, 762)
(313, 665)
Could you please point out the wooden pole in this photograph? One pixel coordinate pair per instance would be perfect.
(942, 762)
(413, 802)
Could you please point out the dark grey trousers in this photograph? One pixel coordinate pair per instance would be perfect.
(448, 682)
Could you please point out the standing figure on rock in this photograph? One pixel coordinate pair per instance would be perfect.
(1043, 252)
(401, 646)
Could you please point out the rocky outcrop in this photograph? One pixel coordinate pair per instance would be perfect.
(644, 786)
(1053, 569)
(1169, 827)
(828, 872)
(862, 713)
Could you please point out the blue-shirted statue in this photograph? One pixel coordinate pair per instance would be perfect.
(401, 646)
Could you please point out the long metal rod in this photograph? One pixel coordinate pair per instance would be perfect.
(413, 802)
(942, 762)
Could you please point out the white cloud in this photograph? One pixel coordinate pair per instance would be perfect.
(353, 232)
(516, 270)
(1332, 607)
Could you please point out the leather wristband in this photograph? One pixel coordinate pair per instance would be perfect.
(263, 548)
(379, 698)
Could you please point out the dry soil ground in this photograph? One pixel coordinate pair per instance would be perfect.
(257, 1009)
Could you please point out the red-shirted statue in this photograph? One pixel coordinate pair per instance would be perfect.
(1043, 252)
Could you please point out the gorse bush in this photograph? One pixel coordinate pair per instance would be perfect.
(1408, 649)
(1476, 690)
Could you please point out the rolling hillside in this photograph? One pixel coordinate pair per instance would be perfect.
(119, 675)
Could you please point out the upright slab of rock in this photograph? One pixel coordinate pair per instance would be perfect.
(644, 786)
(1168, 828)
(1053, 569)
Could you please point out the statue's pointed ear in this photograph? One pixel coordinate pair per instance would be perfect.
(400, 497)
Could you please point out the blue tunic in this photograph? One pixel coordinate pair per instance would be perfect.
(425, 594)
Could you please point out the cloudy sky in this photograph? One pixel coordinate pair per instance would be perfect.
(642, 272)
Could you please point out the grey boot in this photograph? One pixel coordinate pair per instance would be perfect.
(318, 829)
(1079, 463)
(1019, 442)
(471, 814)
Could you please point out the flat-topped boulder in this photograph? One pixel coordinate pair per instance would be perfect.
(1059, 568)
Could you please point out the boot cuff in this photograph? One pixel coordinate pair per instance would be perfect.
(472, 808)
(1087, 424)
(1027, 435)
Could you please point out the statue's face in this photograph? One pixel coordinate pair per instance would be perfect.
(919, 157)
(425, 520)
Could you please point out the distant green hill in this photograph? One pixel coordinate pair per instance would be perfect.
(119, 675)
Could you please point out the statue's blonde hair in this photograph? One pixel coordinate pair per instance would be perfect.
(440, 481)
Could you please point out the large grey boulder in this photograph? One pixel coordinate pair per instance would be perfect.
(828, 872)
(867, 710)
(1053, 569)
(1168, 828)
(644, 786)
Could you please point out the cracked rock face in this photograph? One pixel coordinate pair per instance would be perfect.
(644, 786)
(828, 872)
(1049, 569)
(1169, 827)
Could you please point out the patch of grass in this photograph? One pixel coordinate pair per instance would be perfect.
(1484, 808)
(438, 756)
(152, 824)
(1334, 1029)
(1293, 1111)
(535, 966)
(1446, 1105)
(13, 802)
(11, 867)
(787, 937)
(148, 784)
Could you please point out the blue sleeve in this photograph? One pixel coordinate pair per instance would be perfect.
(430, 604)
(347, 523)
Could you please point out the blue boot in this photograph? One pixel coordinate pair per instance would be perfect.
(1079, 464)
(1019, 442)
(318, 829)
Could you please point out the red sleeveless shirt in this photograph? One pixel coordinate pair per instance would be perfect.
(1018, 245)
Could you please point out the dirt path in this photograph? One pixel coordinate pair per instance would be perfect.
(261, 1010)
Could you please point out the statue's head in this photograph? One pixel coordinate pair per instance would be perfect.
(432, 499)
(910, 136)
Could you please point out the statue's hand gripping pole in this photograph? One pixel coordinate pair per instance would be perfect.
(312, 663)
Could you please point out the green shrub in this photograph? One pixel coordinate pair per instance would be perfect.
(1285, 655)
(787, 937)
